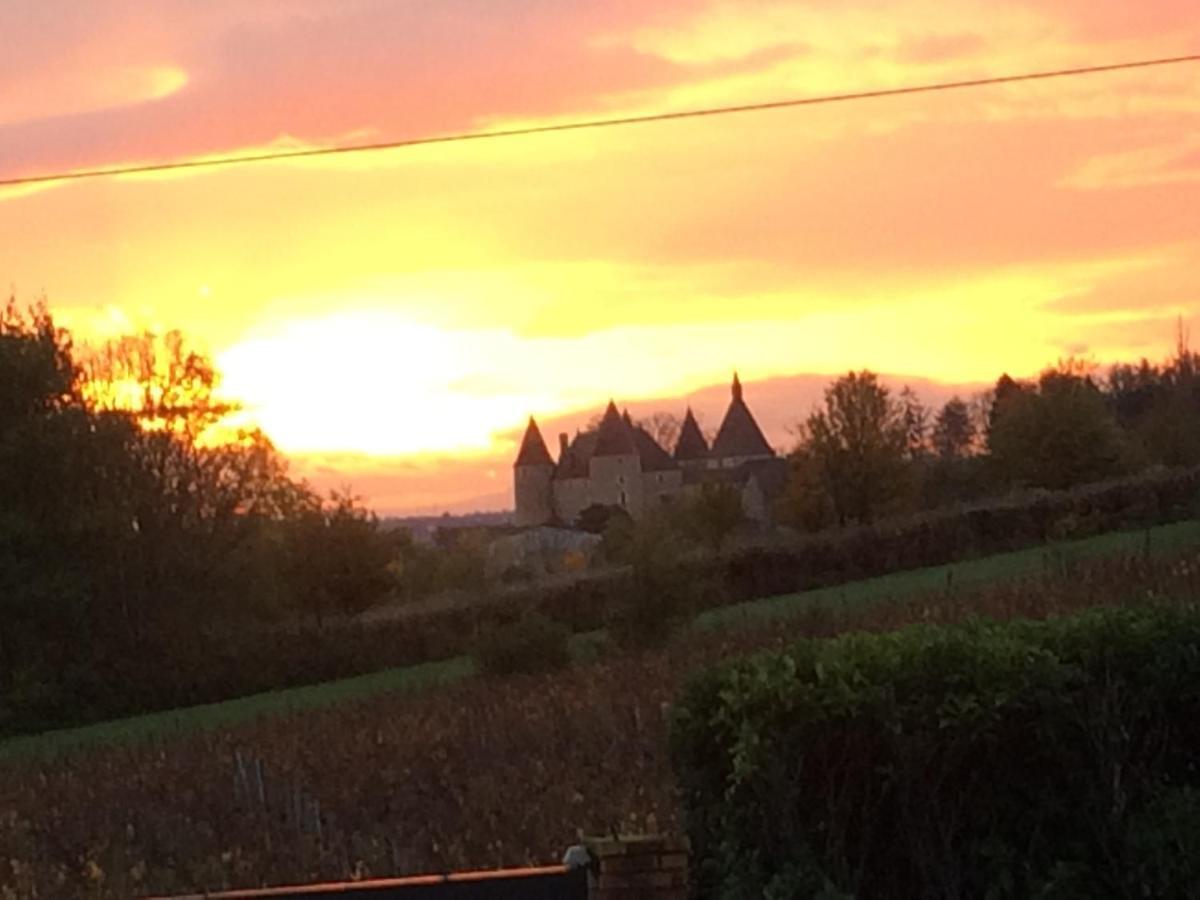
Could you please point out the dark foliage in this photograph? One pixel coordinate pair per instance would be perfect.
(531, 644)
(1051, 759)
(443, 780)
(132, 528)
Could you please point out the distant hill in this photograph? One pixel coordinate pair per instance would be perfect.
(423, 527)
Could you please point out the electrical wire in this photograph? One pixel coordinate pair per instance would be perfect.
(244, 159)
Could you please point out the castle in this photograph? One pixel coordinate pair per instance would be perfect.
(619, 464)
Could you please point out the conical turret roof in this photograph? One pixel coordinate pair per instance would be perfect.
(533, 450)
(653, 457)
(739, 434)
(614, 437)
(691, 443)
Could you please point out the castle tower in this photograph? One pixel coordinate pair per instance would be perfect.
(533, 475)
(615, 469)
(739, 439)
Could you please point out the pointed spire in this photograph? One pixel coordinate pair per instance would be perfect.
(614, 437)
(691, 443)
(533, 450)
(739, 434)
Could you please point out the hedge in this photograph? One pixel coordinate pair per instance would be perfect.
(793, 563)
(218, 664)
(1052, 759)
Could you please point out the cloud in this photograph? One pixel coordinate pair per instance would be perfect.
(1175, 161)
(953, 235)
(1124, 338)
(941, 47)
(1162, 280)
(320, 70)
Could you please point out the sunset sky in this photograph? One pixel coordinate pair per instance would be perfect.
(392, 318)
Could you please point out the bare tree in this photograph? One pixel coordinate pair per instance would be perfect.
(664, 427)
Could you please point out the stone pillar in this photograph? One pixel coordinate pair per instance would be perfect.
(638, 867)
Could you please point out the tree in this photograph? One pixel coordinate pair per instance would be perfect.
(1057, 433)
(160, 379)
(135, 525)
(38, 374)
(661, 592)
(916, 424)
(1134, 391)
(854, 447)
(712, 515)
(664, 427)
(953, 430)
(596, 518)
(341, 560)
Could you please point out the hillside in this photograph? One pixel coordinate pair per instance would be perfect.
(478, 773)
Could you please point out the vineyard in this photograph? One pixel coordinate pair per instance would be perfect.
(480, 773)
(1164, 540)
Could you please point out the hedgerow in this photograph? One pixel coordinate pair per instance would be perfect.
(213, 664)
(1029, 759)
(486, 772)
(529, 645)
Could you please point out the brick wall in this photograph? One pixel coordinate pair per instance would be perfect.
(633, 868)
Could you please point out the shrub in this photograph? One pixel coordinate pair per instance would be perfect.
(658, 597)
(531, 644)
(1017, 760)
(217, 663)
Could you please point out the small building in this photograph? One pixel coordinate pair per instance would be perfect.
(620, 464)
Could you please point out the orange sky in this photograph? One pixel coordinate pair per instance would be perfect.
(392, 318)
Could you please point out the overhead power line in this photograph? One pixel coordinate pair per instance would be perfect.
(243, 159)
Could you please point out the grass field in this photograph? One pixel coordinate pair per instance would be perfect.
(856, 595)
(376, 777)
(1164, 539)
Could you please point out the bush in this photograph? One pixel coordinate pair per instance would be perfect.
(531, 644)
(658, 593)
(218, 663)
(1019, 760)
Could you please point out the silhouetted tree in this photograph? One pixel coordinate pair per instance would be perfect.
(341, 560)
(166, 384)
(661, 591)
(953, 430)
(663, 427)
(130, 526)
(916, 424)
(597, 517)
(1056, 434)
(712, 516)
(854, 448)
(1160, 406)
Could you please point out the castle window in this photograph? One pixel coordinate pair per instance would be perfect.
(624, 500)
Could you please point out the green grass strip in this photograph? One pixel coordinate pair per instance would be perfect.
(585, 647)
(171, 723)
(1163, 540)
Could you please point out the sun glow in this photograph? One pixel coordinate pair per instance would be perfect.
(370, 381)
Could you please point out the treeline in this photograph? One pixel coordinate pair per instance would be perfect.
(153, 555)
(867, 452)
(133, 518)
